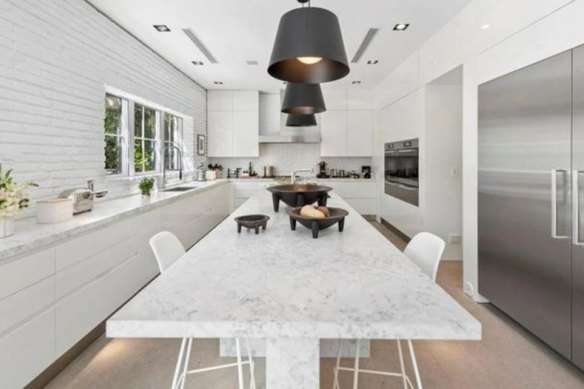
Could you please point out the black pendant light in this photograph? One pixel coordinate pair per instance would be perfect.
(309, 47)
(303, 99)
(301, 121)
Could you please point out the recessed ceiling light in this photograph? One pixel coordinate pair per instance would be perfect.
(252, 62)
(218, 82)
(198, 63)
(485, 26)
(356, 82)
(401, 27)
(373, 62)
(161, 28)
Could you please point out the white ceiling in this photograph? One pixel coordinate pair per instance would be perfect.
(235, 31)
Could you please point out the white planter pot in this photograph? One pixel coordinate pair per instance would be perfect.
(6, 227)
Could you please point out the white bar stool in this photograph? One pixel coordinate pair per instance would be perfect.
(425, 250)
(167, 249)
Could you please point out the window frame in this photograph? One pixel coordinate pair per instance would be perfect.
(122, 136)
(178, 140)
(128, 133)
(155, 139)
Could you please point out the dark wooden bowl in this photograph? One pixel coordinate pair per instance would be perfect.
(252, 221)
(316, 224)
(298, 195)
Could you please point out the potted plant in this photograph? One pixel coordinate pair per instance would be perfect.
(13, 198)
(146, 185)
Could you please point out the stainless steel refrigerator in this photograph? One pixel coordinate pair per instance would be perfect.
(531, 199)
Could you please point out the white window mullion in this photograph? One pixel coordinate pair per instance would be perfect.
(131, 137)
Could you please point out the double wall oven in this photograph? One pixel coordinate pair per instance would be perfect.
(401, 170)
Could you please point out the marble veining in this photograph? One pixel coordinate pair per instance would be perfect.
(284, 284)
(30, 235)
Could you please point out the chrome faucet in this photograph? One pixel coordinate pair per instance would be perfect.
(180, 162)
(295, 174)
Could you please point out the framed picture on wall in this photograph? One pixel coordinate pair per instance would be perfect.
(200, 144)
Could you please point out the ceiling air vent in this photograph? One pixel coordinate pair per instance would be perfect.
(200, 45)
(365, 44)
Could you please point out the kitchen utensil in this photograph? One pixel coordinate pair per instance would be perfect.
(337, 215)
(53, 211)
(298, 195)
(82, 199)
(252, 221)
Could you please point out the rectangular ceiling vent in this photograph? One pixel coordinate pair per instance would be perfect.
(200, 45)
(365, 44)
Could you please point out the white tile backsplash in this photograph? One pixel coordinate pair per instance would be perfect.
(287, 157)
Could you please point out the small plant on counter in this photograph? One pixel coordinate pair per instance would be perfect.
(146, 185)
(13, 199)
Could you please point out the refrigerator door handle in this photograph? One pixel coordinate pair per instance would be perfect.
(576, 208)
(554, 205)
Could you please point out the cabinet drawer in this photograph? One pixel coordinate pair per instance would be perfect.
(26, 352)
(77, 249)
(25, 271)
(82, 311)
(364, 206)
(24, 304)
(91, 268)
(360, 190)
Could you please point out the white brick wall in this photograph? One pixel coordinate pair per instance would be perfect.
(55, 59)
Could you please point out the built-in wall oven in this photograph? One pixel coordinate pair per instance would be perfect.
(401, 170)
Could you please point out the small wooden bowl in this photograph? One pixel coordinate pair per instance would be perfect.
(337, 215)
(252, 221)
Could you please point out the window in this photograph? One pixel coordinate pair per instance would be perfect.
(172, 137)
(137, 134)
(113, 135)
(144, 139)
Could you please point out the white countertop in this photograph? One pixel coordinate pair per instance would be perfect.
(30, 235)
(284, 284)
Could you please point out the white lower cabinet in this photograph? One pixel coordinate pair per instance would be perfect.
(51, 299)
(360, 194)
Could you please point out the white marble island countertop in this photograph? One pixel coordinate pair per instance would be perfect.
(294, 290)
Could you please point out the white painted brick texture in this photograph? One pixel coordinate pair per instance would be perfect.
(55, 59)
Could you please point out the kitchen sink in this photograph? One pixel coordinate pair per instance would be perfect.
(180, 189)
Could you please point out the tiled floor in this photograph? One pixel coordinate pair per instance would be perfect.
(507, 357)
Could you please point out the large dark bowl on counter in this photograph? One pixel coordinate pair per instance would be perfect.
(298, 195)
(337, 215)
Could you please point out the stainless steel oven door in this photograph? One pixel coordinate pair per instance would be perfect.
(407, 193)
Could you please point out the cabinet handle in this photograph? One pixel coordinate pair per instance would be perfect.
(576, 208)
(554, 205)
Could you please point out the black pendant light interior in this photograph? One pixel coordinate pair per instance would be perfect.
(301, 121)
(309, 47)
(303, 99)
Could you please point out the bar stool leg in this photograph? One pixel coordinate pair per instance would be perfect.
(356, 376)
(239, 365)
(252, 384)
(415, 365)
(401, 362)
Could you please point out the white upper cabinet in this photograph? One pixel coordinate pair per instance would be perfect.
(359, 133)
(220, 134)
(333, 132)
(220, 101)
(233, 123)
(347, 125)
(245, 134)
(244, 100)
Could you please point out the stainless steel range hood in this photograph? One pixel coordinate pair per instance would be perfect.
(273, 124)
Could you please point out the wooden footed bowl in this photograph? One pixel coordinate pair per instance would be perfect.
(297, 195)
(252, 222)
(337, 215)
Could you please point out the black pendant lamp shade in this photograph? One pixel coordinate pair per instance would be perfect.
(309, 47)
(301, 121)
(303, 99)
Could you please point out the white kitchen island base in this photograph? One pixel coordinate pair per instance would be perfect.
(292, 363)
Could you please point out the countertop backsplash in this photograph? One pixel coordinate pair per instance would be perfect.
(287, 157)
